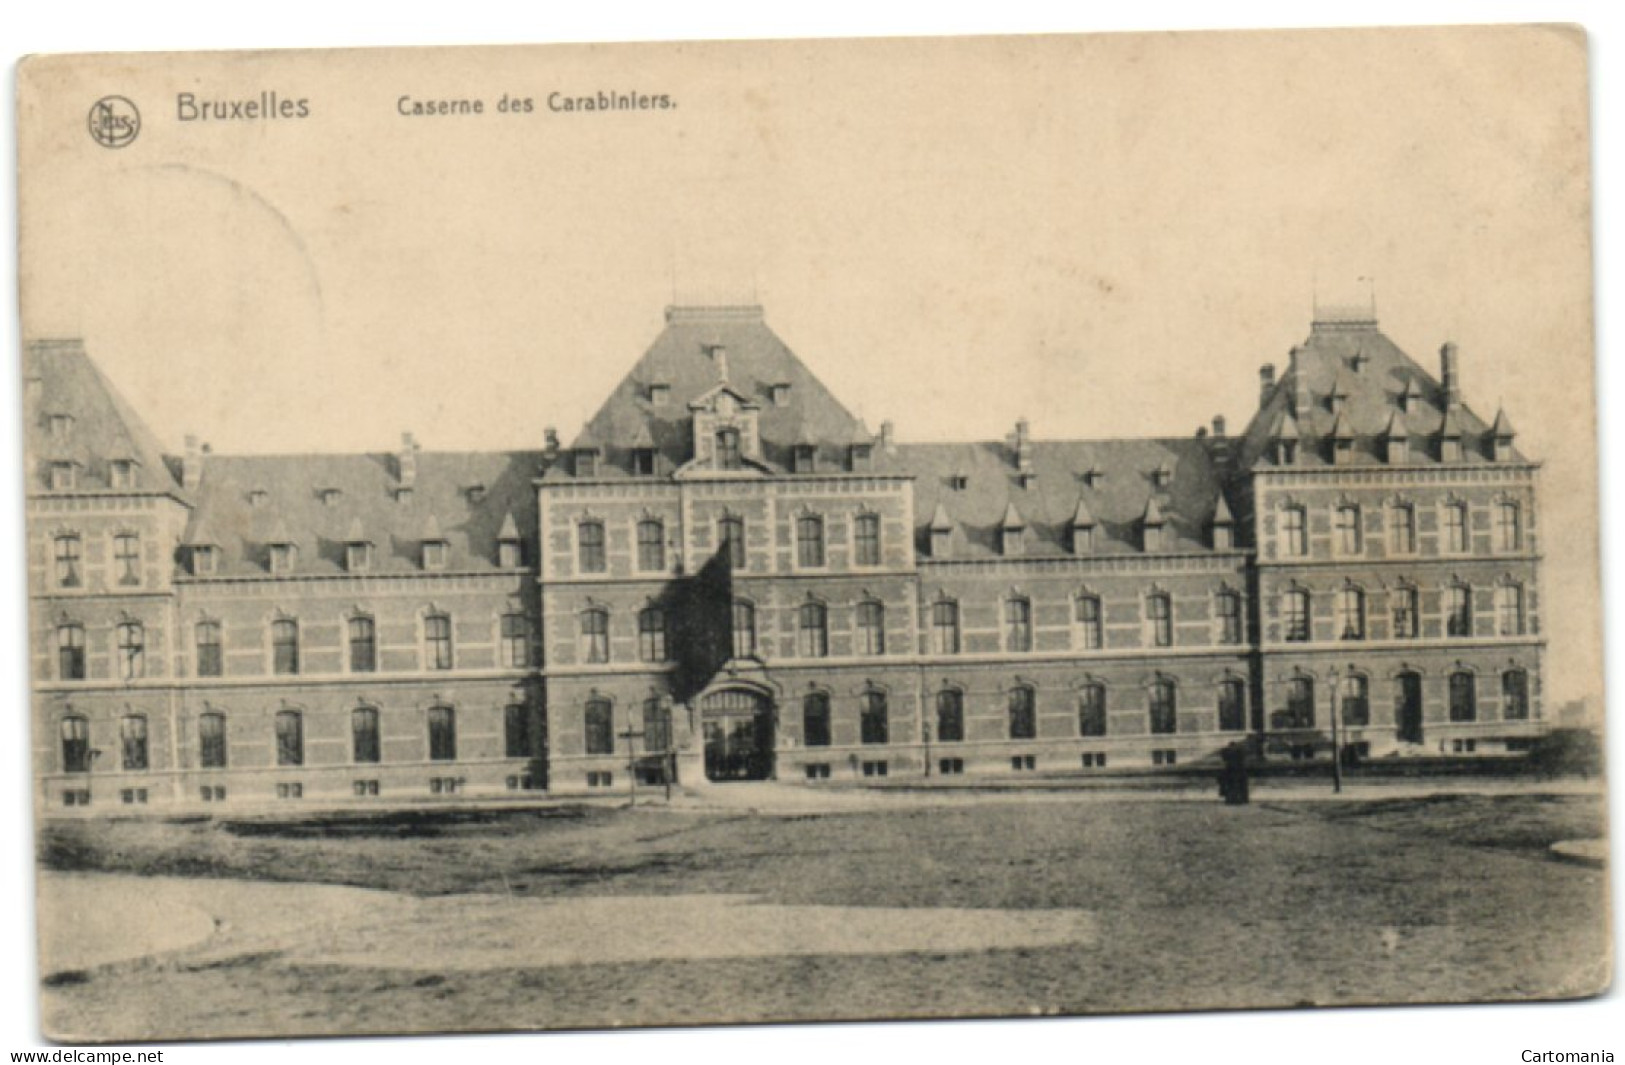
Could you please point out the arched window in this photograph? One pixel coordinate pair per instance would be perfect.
(1515, 695)
(364, 743)
(728, 457)
(1350, 542)
(290, 738)
(1232, 704)
(211, 740)
(1402, 529)
(1018, 624)
(519, 732)
(652, 634)
(70, 651)
(132, 735)
(1159, 618)
(651, 545)
(598, 725)
(442, 734)
(1356, 701)
(284, 646)
(950, 716)
(1456, 528)
(873, 726)
(1092, 709)
(656, 726)
(590, 546)
(1459, 610)
(69, 563)
(1300, 703)
(515, 637)
(132, 650)
(1463, 696)
(75, 745)
(1230, 618)
(871, 628)
(812, 631)
(206, 637)
(1023, 713)
(1294, 533)
(945, 627)
(1407, 614)
(1509, 610)
(1508, 527)
(744, 629)
(437, 641)
(1164, 707)
(1351, 613)
(809, 541)
(815, 719)
(731, 537)
(866, 540)
(363, 637)
(1091, 635)
(1295, 615)
(595, 636)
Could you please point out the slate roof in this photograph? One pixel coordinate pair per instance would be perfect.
(1326, 361)
(104, 428)
(680, 359)
(1055, 489)
(441, 505)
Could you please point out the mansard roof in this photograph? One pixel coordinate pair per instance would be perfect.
(681, 359)
(1326, 360)
(1054, 490)
(104, 427)
(440, 505)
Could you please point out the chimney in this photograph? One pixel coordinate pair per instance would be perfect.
(1024, 445)
(888, 438)
(719, 355)
(1301, 399)
(1266, 382)
(407, 461)
(551, 436)
(1450, 376)
(1218, 425)
(192, 464)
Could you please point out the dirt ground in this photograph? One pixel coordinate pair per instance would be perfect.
(1177, 905)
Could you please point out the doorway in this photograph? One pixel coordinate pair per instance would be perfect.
(738, 727)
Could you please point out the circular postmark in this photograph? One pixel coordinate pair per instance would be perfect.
(114, 121)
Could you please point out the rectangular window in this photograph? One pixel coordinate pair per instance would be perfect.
(744, 629)
(437, 642)
(120, 473)
(70, 651)
(1023, 714)
(950, 716)
(132, 651)
(643, 462)
(656, 727)
(357, 557)
(210, 660)
(866, 540)
(1094, 759)
(434, 554)
(874, 725)
(816, 770)
(652, 634)
(951, 767)
(1455, 528)
(1514, 697)
(1160, 616)
(1459, 611)
(728, 456)
(364, 745)
(810, 541)
(1294, 532)
(945, 627)
(282, 558)
(1406, 614)
(205, 560)
(75, 745)
(871, 628)
(1164, 709)
(516, 731)
(442, 734)
(1092, 710)
(595, 637)
(874, 769)
(69, 566)
(651, 546)
(1509, 609)
(1230, 619)
(731, 536)
(1295, 616)
(600, 735)
(1508, 527)
(127, 559)
(515, 637)
(1402, 529)
(812, 631)
(1090, 634)
(1018, 625)
(1023, 762)
(1463, 697)
(285, 646)
(61, 476)
(363, 637)
(1351, 614)
(509, 555)
(590, 546)
(815, 720)
(211, 738)
(1232, 706)
(290, 738)
(1349, 541)
(133, 741)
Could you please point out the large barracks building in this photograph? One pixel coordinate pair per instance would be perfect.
(728, 576)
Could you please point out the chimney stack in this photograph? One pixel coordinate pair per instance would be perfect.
(407, 461)
(1218, 425)
(1266, 382)
(1302, 401)
(888, 438)
(1450, 375)
(719, 355)
(1024, 445)
(192, 464)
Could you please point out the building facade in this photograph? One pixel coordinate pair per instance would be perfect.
(727, 576)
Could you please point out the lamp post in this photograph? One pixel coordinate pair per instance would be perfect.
(631, 736)
(1337, 739)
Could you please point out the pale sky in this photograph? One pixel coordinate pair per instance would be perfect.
(1107, 235)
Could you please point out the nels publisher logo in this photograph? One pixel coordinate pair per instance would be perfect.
(114, 121)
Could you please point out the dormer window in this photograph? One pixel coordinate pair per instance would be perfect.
(729, 456)
(205, 560)
(1012, 541)
(329, 496)
(586, 462)
(1153, 537)
(358, 556)
(121, 473)
(403, 495)
(959, 482)
(643, 462)
(1093, 476)
(941, 542)
(62, 476)
(508, 554)
(1161, 476)
(1342, 450)
(659, 394)
(779, 393)
(476, 493)
(1286, 452)
(1027, 479)
(257, 497)
(61, 425)
(283, 557)
(434, 554)
(805, 458)
(862, 457)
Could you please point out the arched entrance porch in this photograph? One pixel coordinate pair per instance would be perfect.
(737, 724)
